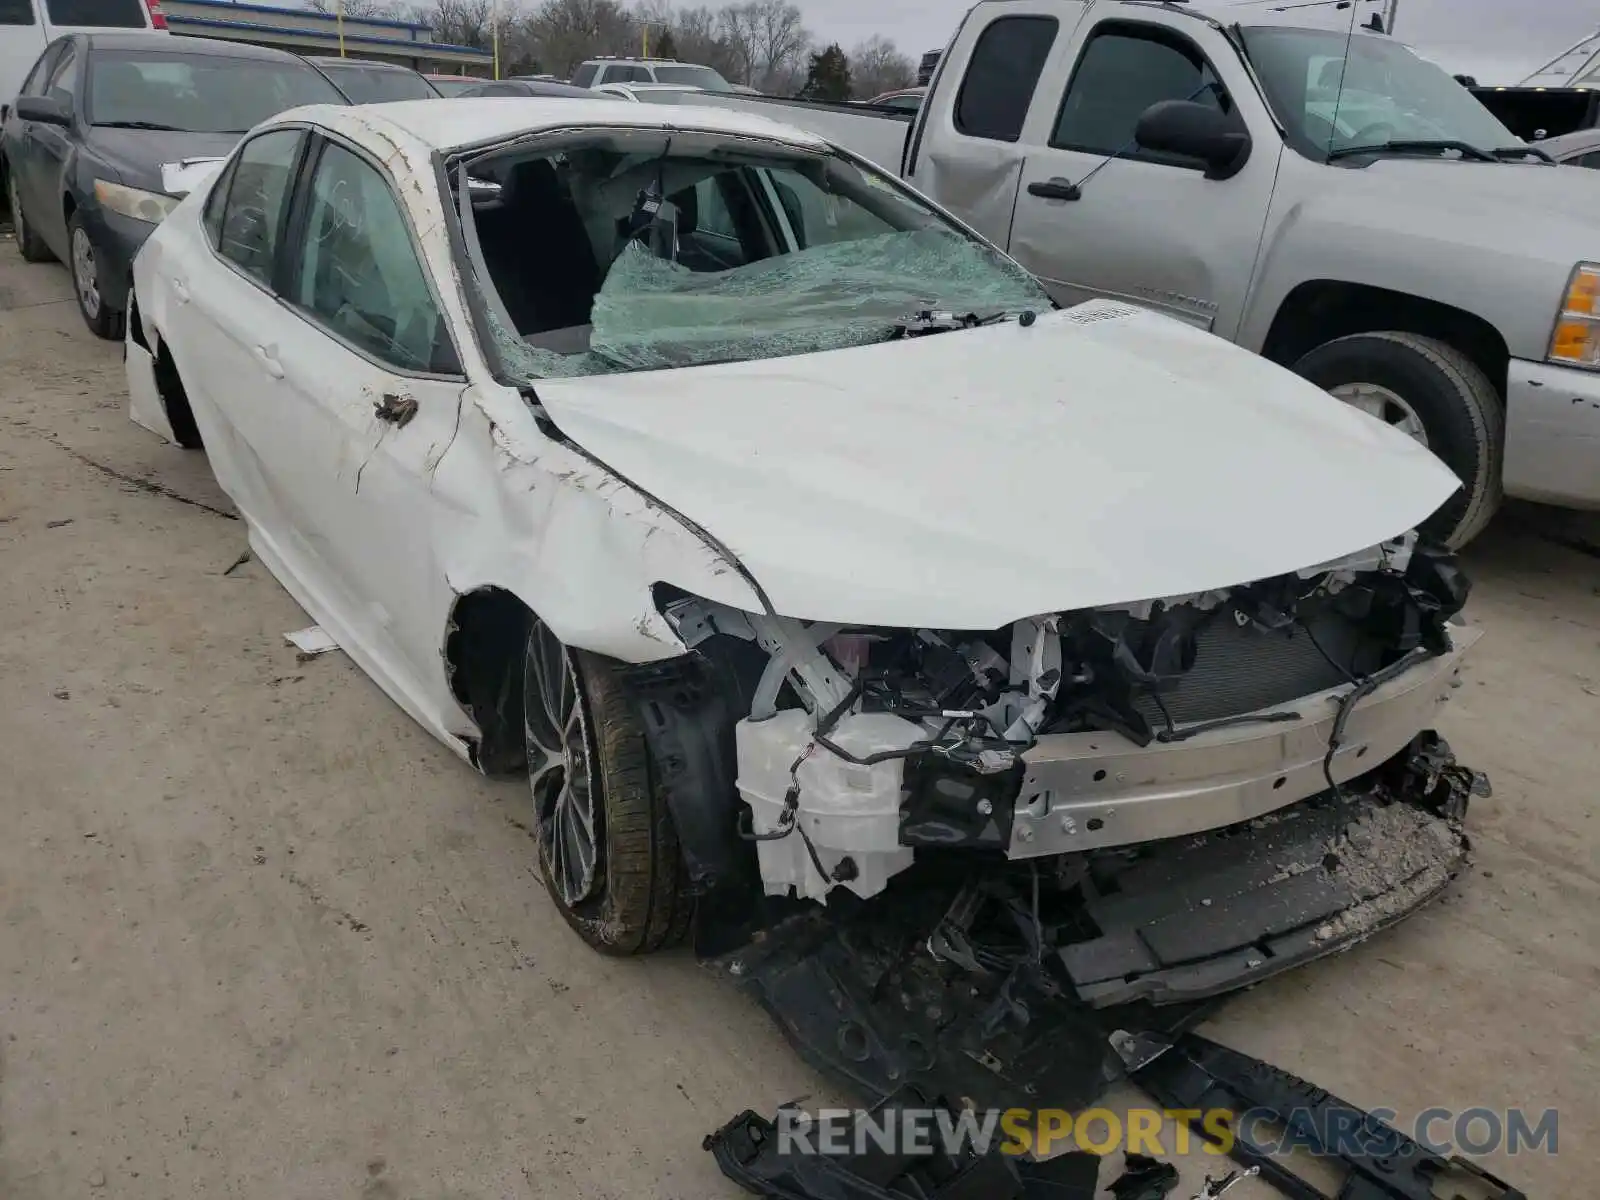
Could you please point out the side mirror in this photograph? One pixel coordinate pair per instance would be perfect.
(44, 109)
(1195, 131)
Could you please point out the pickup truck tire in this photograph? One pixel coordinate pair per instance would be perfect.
(617, 876)
(1460, 411)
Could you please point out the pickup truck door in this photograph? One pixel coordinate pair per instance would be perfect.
(1147, 227)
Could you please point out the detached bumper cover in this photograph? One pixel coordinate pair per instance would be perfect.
(1380, 1163)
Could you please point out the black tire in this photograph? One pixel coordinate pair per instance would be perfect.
(29, 244)
(639, 901)
(1461, 413)
(102, 320)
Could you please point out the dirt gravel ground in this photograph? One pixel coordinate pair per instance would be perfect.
(261, 937)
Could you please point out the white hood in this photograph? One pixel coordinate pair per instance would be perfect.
(965, 480)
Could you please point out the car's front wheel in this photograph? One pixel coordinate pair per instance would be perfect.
(84, 263)
(1436, 394)
(608, 850)
(29, 243)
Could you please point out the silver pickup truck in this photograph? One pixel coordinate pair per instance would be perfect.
(1331, 200)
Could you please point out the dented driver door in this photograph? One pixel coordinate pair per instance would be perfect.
(370, 389)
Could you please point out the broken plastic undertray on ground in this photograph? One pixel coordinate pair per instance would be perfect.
(749, 1152)
(1195, 1074)
(1004, 985)
(1143, 1178)
(1187, 1075)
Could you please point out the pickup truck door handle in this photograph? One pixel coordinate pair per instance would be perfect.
(180, 290)
(1055, 189)
(267, 356)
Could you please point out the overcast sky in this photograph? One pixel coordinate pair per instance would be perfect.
(1499, 41)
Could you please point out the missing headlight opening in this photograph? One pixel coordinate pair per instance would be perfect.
(1066, 733)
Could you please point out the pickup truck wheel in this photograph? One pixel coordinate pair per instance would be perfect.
(1432, 391)
(608, 850)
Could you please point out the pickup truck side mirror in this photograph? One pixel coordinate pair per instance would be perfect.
(1195, 131)
(44, 109)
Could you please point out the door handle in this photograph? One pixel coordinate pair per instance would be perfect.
(268, 358)
(397, 410)
(180, 290)
(1055, 189)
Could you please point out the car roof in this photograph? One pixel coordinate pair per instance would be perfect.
(538, 87)
(1564, 144)
(365, 64)
(152, 40)
(472, 120)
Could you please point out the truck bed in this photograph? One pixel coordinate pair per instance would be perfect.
(876, 134)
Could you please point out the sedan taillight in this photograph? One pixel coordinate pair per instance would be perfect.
(158, 19)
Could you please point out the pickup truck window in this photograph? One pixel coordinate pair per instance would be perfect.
(1001, 75)
(1124, 70)
(16, 12)
(1381, 92)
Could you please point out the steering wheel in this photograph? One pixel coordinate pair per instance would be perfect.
(1373, 135)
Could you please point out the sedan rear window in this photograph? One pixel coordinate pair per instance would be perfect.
(700, 77)
(197, 93)
(378, 85)
(98, 14)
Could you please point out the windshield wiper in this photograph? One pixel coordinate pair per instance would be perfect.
(927, 320)
(157, 125)
(1415, 146)
(1505, 153)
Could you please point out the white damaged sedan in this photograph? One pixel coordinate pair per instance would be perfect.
(780, 528)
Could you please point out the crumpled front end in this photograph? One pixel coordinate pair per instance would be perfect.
(1077, 732)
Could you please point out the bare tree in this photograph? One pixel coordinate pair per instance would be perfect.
(560, 34)
(458, 22)
(877, 66)
(696, 33)
(736, 26)
(780, 38)
(356, 9)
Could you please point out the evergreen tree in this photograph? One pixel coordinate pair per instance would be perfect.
(828, 77)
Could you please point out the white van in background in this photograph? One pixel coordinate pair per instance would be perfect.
(28, 26)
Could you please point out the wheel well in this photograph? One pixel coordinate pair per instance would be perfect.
(483, 647)
(173, 397)
(1321, 310)
(68, 207)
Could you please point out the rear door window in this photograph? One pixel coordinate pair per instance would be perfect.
(97, 14)
(1004, 70)
(252, 214)
(16, 12)
(584, 75)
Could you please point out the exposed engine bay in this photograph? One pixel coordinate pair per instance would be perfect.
(1076, 731)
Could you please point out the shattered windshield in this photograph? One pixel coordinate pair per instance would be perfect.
(1335, 93)
(608, 257)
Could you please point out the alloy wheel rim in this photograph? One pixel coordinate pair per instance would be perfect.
(83, 273)
(561, 768)
(1388, 406)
